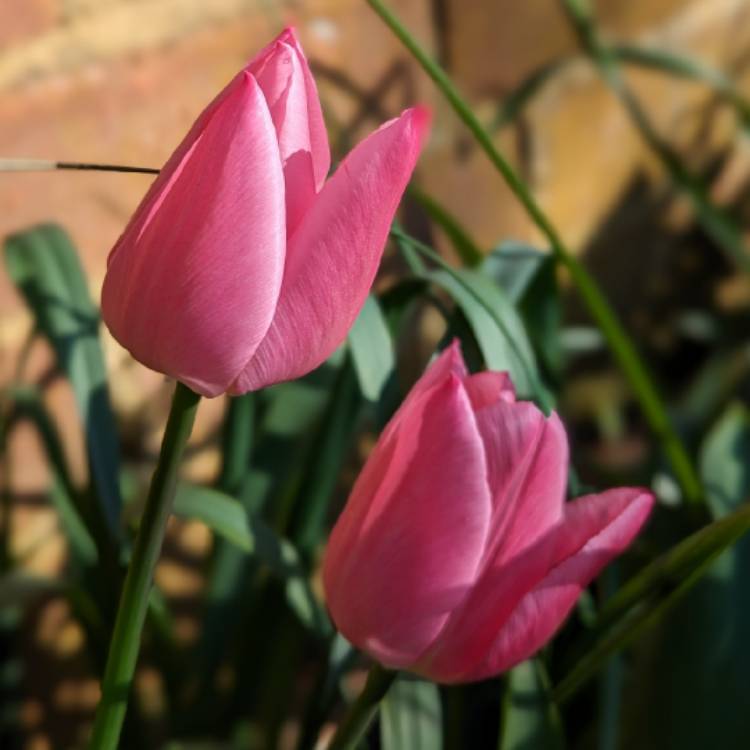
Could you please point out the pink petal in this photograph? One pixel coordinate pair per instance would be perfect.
(448, 366)
(487, 388)
(334, 254)
(448, 362)
(515, 608)
(161, 185)
(316, 136)
(406, 547)
(192, 285)
(527, 464)
(542, 611)
(285, 79)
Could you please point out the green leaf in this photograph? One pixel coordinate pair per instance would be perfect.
(725, 461)
(237, 438)
(691, 672)
(529, 278)
(652, 593)
(266, 477)
(372, 349)
(227, 517)
(27, 404)
(332, 443)
(496, 326)
(530, 719)
(222, 514)
(494, 320)
(45, 267)
(468, 251)
(410, 716)
(514, 265)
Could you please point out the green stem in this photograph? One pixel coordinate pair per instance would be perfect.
(123, 650)
(357, 721)
(618, 340)
(717, 223)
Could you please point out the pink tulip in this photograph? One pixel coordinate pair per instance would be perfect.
(243, 266)
(456, 556)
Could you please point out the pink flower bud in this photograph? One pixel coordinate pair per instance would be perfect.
(456, 556)
(243, 266)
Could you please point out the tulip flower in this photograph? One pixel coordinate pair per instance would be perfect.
(243, 266)
(456, 556)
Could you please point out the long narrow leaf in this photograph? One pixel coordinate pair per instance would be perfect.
(619, 341)
(372, 349)
(688, 679)
(530, 718)
(227, 517)
(222, 514)
(27, 404)
(652, 593)
(44, 265)
(494, 320)
(411, 716)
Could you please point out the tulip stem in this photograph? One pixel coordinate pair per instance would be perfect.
(124, 646)
(357, 721)
(617, 338)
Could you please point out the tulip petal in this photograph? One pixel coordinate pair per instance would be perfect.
(448, 363)
(541, 612)
(191, 288)
(517, 606)
(285, 79)
(487, 388)
(333, 256)
(448, 366)
(406, 547)
(161, 184)
(527, 464)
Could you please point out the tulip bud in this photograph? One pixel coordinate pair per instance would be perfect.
(456, 556)
(243, 266)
